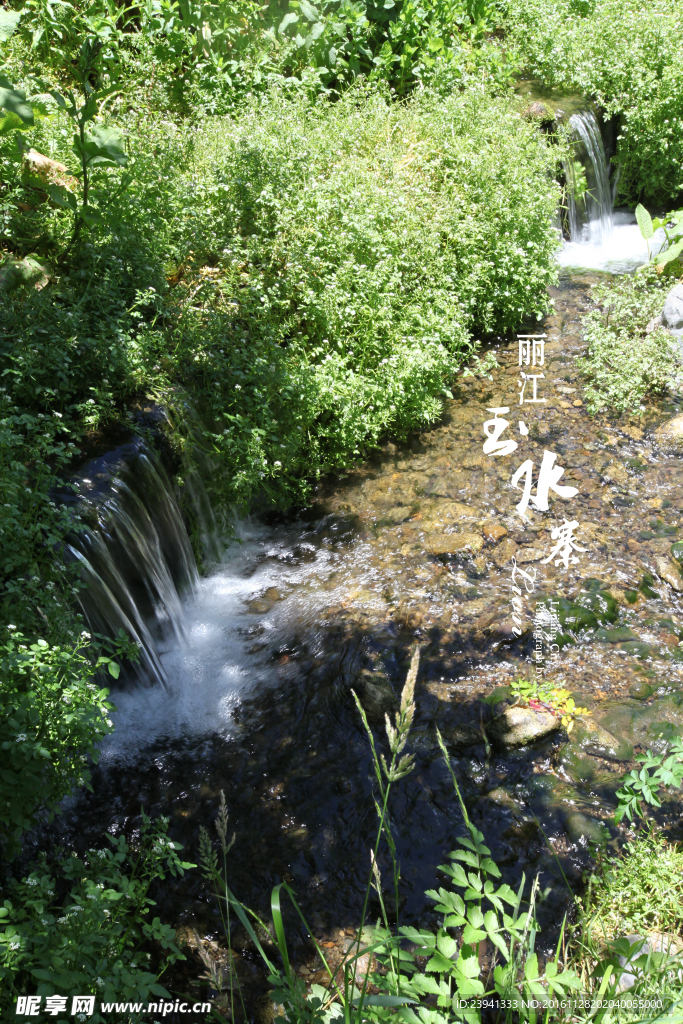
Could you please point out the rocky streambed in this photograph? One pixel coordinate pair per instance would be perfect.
(418, 545)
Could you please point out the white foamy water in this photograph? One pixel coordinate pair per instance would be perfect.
(228, 649)
(621, 252)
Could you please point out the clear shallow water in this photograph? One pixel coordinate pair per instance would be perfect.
(621, 252)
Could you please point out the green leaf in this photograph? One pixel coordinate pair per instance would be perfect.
(15, 101)
(104, 148)
(671, 253)
(9, 20)
(61, 196)
(384, 1000)
(289, 19)
(644, 222)
(114, 669)
(308, 10)
(92, 218)
(531, 968)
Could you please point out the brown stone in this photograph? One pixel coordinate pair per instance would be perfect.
(452, 542)
(504, 552)
(493, 531)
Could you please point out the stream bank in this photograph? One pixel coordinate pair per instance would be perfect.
(415, 545)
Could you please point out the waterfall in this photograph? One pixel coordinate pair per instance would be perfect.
(590, 216)
(135, 554)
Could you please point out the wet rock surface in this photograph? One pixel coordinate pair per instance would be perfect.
(418, 545)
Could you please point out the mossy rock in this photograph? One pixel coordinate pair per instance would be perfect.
(615, 636)
(640, 690)
(584, 830)
(376, 695)
(677, 553)
(593, 738)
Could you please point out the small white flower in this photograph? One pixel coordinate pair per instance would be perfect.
(99, 982)
(85, 635)
(10, 626)
(277, 464)
(21, 737)
(14, 945)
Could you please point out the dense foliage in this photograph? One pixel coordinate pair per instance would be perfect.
(627, 56)
(86, 926)
(307, 276)
(620, 374)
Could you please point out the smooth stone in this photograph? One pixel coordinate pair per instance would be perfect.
(494, 531)
(668, 572)
(655, 942)
(594, 739)
(531, 554)
(583, 830)
(502, 798)
(672, 428)
(672, 314)
(640, 690)
(517, 726)
(39, 171)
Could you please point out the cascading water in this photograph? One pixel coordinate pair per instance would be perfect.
(135, 556)
(590, 217)
(600, 237)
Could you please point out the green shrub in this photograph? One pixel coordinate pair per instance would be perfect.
(350, 251)
(627, 56)
(639, 891)
(95, 939)
(52, 715)
(625, 363)
(333, 263)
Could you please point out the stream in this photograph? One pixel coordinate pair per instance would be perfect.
(247, 672)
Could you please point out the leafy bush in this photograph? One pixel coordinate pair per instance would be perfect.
(640, 891)
(348, 251)
(96, 939)
(52, 715)
(624, 361)
(627, 56)
(329, 264)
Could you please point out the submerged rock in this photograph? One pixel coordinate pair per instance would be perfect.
(502, 798)
(376, 695)
(594, 739)
(640, 690)
(668, 572)
(456, 737)
(672, 428)
(516, 726)
(583, 829)
(453, 542)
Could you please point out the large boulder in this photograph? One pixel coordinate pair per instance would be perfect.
(672, 314)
